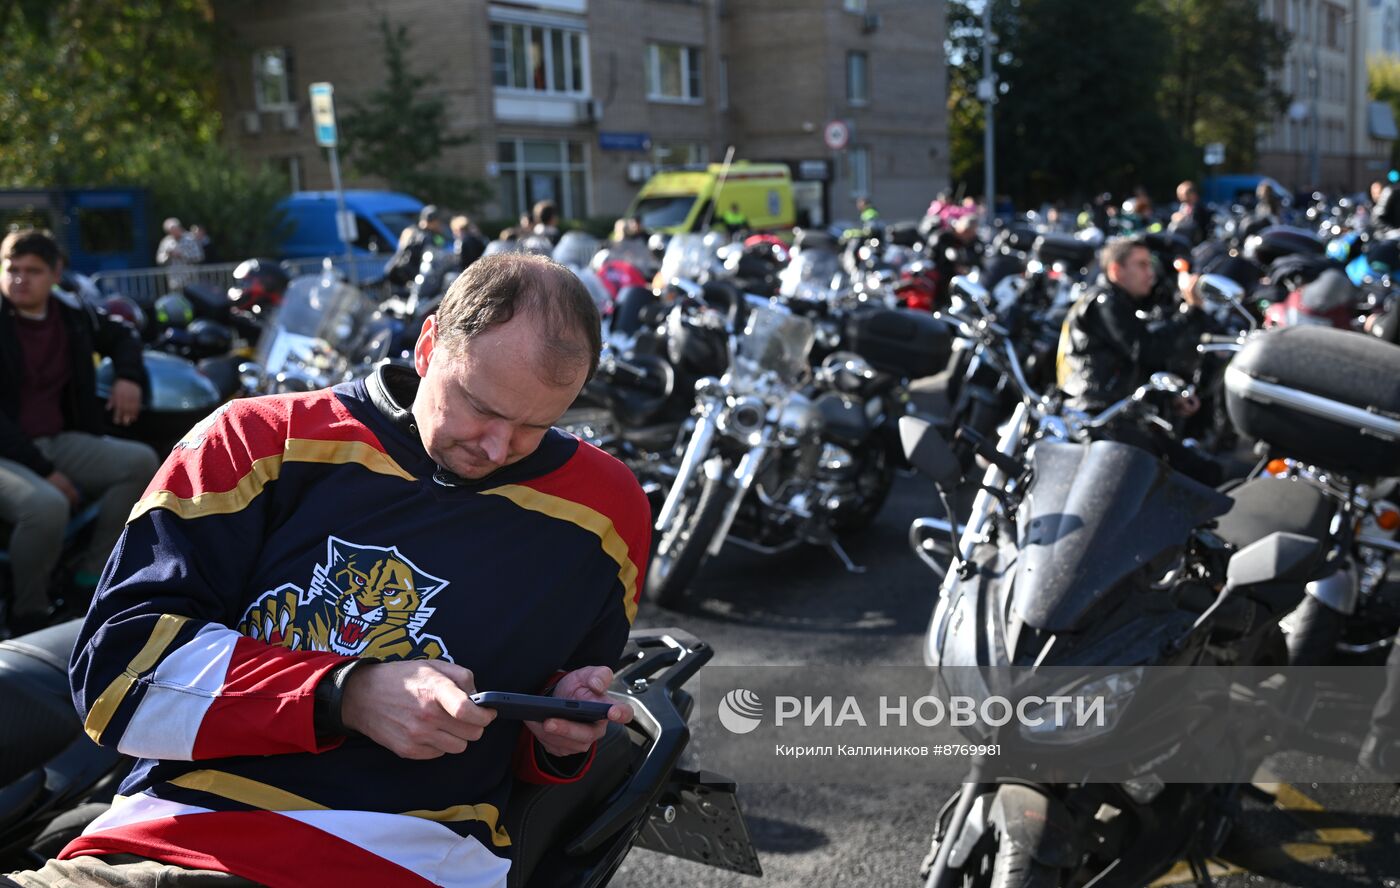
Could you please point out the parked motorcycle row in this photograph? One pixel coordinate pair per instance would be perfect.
(760, 391)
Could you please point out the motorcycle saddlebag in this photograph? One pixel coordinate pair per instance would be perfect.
(908, 344)
(1327, 397)
(1064, 249)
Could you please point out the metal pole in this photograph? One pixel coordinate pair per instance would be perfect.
(352, 270)
(1314, 158)
(989, 185)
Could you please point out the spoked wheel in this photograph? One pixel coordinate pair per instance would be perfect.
(682, 548)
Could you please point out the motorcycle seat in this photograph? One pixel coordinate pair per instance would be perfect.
(1268, 505)
(37, 718)
(542, 820)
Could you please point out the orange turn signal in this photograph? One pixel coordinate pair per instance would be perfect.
(1388, 520)
(1277, 467)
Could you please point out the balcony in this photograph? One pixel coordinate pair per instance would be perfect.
(525, 106)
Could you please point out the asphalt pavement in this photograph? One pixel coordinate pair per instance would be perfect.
(804, 607)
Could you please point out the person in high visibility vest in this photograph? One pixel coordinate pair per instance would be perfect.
(734, 219)
(868, 213)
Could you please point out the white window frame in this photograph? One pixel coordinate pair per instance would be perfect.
(258, 103)
(859, 101)
(546, 25)
(567, 210)
(653, 74)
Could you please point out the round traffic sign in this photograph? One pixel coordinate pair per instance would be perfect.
(837, 135)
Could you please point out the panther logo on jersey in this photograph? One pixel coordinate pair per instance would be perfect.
(362, 601)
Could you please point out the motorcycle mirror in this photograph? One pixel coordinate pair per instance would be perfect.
(1277, 558)
(1219, 290)
(928, 452)
(1167, 382)
(974, 291)
(250, 378)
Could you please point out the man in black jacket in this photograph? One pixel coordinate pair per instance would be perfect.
(1108, 347)
(431, 231)
(52, 454)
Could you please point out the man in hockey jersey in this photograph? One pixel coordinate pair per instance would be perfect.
(313, 584)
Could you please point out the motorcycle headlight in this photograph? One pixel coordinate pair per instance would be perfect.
(1103, 700)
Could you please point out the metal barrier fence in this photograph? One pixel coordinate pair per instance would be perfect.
(145, 285)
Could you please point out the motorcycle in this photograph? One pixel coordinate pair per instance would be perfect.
(778, 456)
(1095, 557)
(54, 780)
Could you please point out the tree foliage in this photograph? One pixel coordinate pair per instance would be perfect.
(399, 134)
(1217, 86)
(1384, 86)
(1101, 96)
(121, 92)
(95, 88)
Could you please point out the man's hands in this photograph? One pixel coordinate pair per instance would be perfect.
(561, 737)
(65, 486)
(418, 709)
(421, 709)
(124, 402)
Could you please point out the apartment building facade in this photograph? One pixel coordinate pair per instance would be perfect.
(578, 101)
(1331, 136)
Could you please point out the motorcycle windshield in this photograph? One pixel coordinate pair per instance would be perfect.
(319, 314)
(690, 257)
(775, 341)
(1092, 516)
(809, 275)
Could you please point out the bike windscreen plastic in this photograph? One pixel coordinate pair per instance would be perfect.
(1093, 515)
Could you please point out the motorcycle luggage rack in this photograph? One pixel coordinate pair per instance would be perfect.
(665, 660)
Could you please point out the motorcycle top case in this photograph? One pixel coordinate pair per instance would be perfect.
(909, 344)
(1327, 397)
(1052, 248)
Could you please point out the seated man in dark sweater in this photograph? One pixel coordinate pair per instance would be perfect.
(52, 453)
(289, 631)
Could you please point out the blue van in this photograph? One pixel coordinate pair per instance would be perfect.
(380, 216)
(1235, 188)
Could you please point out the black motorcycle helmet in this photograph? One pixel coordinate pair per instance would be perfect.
(258, 283)
(209, 338)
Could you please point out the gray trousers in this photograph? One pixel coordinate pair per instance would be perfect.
(109, 471)
(120, 871)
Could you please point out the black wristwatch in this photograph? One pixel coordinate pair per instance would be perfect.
(329, 694)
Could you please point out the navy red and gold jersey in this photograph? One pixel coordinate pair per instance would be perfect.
(286, 534)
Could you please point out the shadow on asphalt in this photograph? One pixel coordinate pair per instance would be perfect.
(773, 836)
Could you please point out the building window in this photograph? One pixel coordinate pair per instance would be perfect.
(272, 89)
(857, 78)
(853, 5)
(538, 58)
(723, 83)
(859, 158)
(291, 165)
(679, 153)
(532, 170)
(673, 73)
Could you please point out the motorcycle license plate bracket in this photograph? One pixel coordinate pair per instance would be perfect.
(707, 827)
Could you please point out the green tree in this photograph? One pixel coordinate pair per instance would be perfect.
(1079, 112)
(234, 202)
(398, 133)
(1217, 86)
(966, 113)
(1384, 86)
(94, 88)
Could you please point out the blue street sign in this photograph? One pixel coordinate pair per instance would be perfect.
(624, 141)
